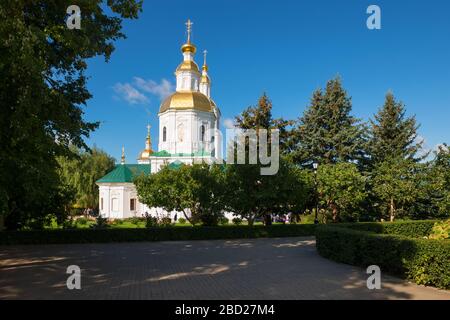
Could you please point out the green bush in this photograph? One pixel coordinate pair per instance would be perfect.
(182, 221)
(441, 230)
(59, 236)
(421, 260)
(237, 221)
(100, 223)
(165, 222)
(411, 229)
(82, 221)
(223, 221)
(151, 222)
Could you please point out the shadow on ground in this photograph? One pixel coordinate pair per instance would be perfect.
(288, 268)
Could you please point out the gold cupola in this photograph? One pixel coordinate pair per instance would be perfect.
(145, 155)
(188, 46)
(205, 78)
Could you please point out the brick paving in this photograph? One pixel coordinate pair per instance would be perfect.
(287, 268)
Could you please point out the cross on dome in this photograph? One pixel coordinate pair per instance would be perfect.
(189, 24)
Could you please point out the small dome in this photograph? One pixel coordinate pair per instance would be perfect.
(187, 101)
(188, 47)
(205, 79)
(145, 155)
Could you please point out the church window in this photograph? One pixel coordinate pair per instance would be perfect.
(132, 204)
(202, 133)
(164, 134)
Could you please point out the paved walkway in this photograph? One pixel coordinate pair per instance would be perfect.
(288, 268)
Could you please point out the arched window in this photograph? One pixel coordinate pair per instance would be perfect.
(164, 134)
(202, 133)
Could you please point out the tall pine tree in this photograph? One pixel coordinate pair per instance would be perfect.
(394, 156)
(260, 117)
(393, 134)
(327, 132)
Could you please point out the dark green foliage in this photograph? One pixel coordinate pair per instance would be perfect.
(260, 117)
(150, 222)
(392, 134)
(237, 221)
(327, 132)
(100, 223)
(153, 234)
(43, 94)
(421, 260)
(80, 172)
(411, 229)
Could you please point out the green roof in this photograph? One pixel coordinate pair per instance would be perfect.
(176, 164)
(125, 173)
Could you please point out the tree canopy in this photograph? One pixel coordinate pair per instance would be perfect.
(44, 92)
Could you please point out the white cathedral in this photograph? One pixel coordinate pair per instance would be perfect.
(188, 132)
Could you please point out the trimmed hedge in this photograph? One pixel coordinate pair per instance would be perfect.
(424, 261)
(411, 229)
(154, 234)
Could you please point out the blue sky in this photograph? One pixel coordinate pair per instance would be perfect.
(286, 48)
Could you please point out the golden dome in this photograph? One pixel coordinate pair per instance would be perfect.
(205, 79)
(188, 47)
(144, 155)
(187, 101)
(188, 66)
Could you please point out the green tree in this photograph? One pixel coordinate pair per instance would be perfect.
(341, 190)
(80, 172)
(437, 184)
(395, 183)
(195, 190)
(327, 132)
(251, 195)
(392, 134)
(43, 91)
(260, 117)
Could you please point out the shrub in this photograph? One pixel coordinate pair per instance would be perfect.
(59, 236)
(135, 220)
(237, 221)
(424, 261)
(223, 221)
(165, 222)
(441, 230)
(151, 222)
(182, 221)
(118, 222)
(411, 229)
(82, 221)
(100, 223)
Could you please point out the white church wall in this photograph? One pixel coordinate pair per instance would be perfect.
(183, 131)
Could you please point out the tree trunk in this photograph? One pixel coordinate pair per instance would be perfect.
(187, 218)
(250, 221)
(267, 220)
(334, 211)
(392, 211)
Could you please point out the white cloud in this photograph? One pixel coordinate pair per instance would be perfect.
(161, 90)
(229, 123)
(130, 94)
(425, 148)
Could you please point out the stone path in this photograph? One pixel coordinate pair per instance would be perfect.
(287, 268)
